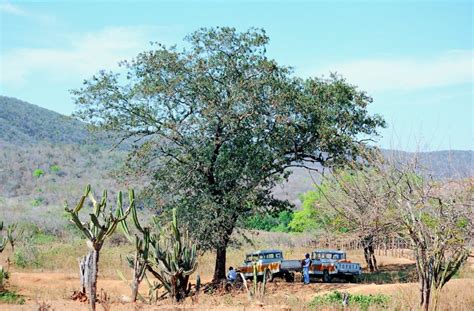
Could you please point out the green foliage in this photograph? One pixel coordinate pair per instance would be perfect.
(306, 218)
(44, 238)
(223, 123)
(311, 217)
(36, 202)
(55, 168)
(362, 301)
(27, 255)
(11, 298)
(4, 276)
(268, 222)
(38, 173)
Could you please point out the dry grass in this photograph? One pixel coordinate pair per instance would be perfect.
(56, 277)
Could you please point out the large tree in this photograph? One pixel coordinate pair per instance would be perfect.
(222, 123)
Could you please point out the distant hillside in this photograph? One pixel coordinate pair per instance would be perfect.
(24, 123)
(36, 138)
(446, 164)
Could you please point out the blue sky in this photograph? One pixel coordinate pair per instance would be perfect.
(414, 57)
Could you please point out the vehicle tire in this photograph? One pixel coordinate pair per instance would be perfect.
(289, 277)
(268, 275)
(326, 276)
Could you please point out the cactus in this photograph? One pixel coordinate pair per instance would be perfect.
(172, 259)
(4, 240)
(11, 237)
(101, 225)
(139, 261)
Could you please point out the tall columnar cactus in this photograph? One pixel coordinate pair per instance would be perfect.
(11, 236)
(4, 240)
(172, 259)
(102, 224)
(139, 261)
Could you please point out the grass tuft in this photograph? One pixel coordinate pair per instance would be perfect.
(362, 301)
(11, 298)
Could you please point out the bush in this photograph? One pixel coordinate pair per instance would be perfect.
(28, 255)
(55, 168)
(11, 297)
(43, 238)
(38, 173)
(362, 301)
(3, 278)
(269, 222)
(36, 202)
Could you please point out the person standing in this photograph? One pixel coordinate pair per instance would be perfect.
(306, 263)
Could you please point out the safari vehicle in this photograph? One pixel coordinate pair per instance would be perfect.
(329, 264)
(271, 264)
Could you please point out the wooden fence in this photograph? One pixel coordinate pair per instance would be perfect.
(387, 246)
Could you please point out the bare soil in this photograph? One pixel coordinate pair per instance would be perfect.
(53, 290)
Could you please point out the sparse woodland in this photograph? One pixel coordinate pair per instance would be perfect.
(202, 140)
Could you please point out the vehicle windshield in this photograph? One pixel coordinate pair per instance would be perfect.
(251, 257)
(256, 257)
(328, 255)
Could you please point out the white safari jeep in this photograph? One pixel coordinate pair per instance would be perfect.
(329, 264)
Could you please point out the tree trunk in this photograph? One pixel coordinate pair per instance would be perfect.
(372, 256)
(219, 270)
(82, 273)
(425, 289)
(91, 268)
(369, 255)
(137, 277)
(135, 286)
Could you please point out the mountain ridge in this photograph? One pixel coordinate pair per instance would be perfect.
(24, 127)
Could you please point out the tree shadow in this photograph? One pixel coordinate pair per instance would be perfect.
(389, 274)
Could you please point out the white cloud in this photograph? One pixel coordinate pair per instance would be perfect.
(86, 55)
(388, 74)
(9, 8)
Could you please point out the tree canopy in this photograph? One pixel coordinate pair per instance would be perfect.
(221, 123)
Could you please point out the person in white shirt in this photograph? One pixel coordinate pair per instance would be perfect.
(305, 264)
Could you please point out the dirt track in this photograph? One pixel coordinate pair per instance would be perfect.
(55, 288)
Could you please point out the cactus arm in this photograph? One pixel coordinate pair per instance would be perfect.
(3, 244)
(135, 219)
(95, 221)
(80, 204)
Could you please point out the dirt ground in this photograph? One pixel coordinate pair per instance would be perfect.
(52, 290)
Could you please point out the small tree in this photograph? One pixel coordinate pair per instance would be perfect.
(363, 205)
(438, 220)
(102, 223)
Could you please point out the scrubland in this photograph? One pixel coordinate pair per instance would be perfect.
(44, 271)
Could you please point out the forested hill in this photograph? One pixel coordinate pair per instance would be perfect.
(32, 137)
(22, 123)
